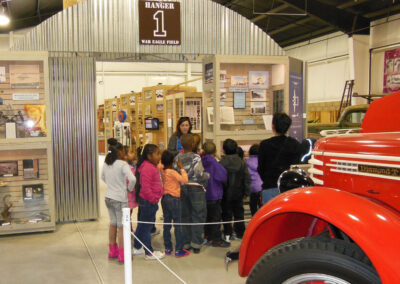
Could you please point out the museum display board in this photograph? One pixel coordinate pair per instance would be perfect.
(247, 91)
(184, 104)
(26, 158)
(154, 112)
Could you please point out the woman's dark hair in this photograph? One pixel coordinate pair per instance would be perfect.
(113, 150)
(281, 122)
(167, 158)
(230, 146)
(240, 152)
(254, 149)
(143, 156)
(180, 121)
(112, 141)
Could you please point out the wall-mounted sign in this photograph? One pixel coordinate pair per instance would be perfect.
(159, 23)
(25, 97)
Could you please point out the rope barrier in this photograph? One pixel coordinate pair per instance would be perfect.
(158, 259)
(191, 224)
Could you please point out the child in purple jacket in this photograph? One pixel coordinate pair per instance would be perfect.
(256, 182)
(218, 175)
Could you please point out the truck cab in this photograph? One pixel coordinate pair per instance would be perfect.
(351, 118)
(344, 229)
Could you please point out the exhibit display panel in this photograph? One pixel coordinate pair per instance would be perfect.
(184, 104)
(247, 91)
(26, 158)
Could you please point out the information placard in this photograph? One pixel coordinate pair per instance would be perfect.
(159, 23)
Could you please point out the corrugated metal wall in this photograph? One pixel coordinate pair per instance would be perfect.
(108, 29)
(113, 25)
(73, 101)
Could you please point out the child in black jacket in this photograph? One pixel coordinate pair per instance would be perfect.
(235, 189)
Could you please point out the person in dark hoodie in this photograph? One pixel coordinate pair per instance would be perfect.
(276, 154)
(236, 187)
(218, 176)
(256, 182)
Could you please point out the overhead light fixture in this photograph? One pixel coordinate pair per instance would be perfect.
(4, 19)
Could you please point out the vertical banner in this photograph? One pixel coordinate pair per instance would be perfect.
(296, 105)
(391, 77)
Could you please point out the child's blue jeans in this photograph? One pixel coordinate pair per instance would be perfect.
(171, 207)
(147, 214)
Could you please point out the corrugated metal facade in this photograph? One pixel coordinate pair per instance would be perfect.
(113, 25)
(108, 30)
(73, 101)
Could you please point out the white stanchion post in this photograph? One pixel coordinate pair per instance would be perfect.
(126, 222)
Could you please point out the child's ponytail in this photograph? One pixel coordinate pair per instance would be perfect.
(113, 149)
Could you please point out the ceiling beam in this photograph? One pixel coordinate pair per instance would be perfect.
(333, 16)
(383, 11)
(274, 10)
(306, 36)
(351, 4)
(290, 26)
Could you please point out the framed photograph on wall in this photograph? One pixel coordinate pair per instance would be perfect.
(239, 100)
(258, 107)
(31, 168)
(222, 76)
(259, 95)
(259, 79)
(239, 81)
(33, 192)
(8, 168)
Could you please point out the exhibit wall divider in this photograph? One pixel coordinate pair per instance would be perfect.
(73, 97)
(109, 30)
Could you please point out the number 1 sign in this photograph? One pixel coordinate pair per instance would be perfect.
(159, 23)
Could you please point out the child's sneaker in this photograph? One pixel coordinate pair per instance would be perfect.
(168, 251)
(227, 238)
(182, 253)
(138, 251)
(155, 255)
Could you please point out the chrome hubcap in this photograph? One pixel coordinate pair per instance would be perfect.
(315, 278)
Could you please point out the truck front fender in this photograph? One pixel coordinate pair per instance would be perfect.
(373, 226)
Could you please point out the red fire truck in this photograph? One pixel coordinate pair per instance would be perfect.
(346, 228)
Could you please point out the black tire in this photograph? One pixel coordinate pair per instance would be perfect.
(332, 257)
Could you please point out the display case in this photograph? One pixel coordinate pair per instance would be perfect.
(247, 91)
(26, 156)
(111, 108)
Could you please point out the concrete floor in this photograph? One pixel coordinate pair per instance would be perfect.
(77, 253)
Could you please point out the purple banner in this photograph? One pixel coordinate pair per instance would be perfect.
(296, 105)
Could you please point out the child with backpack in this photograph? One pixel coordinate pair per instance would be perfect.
(148, 193)
(236, 188)
(218, 176)
(193, 194)
(115, 174)
(171, 202)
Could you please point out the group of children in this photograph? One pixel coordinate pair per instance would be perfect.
(193, 187)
